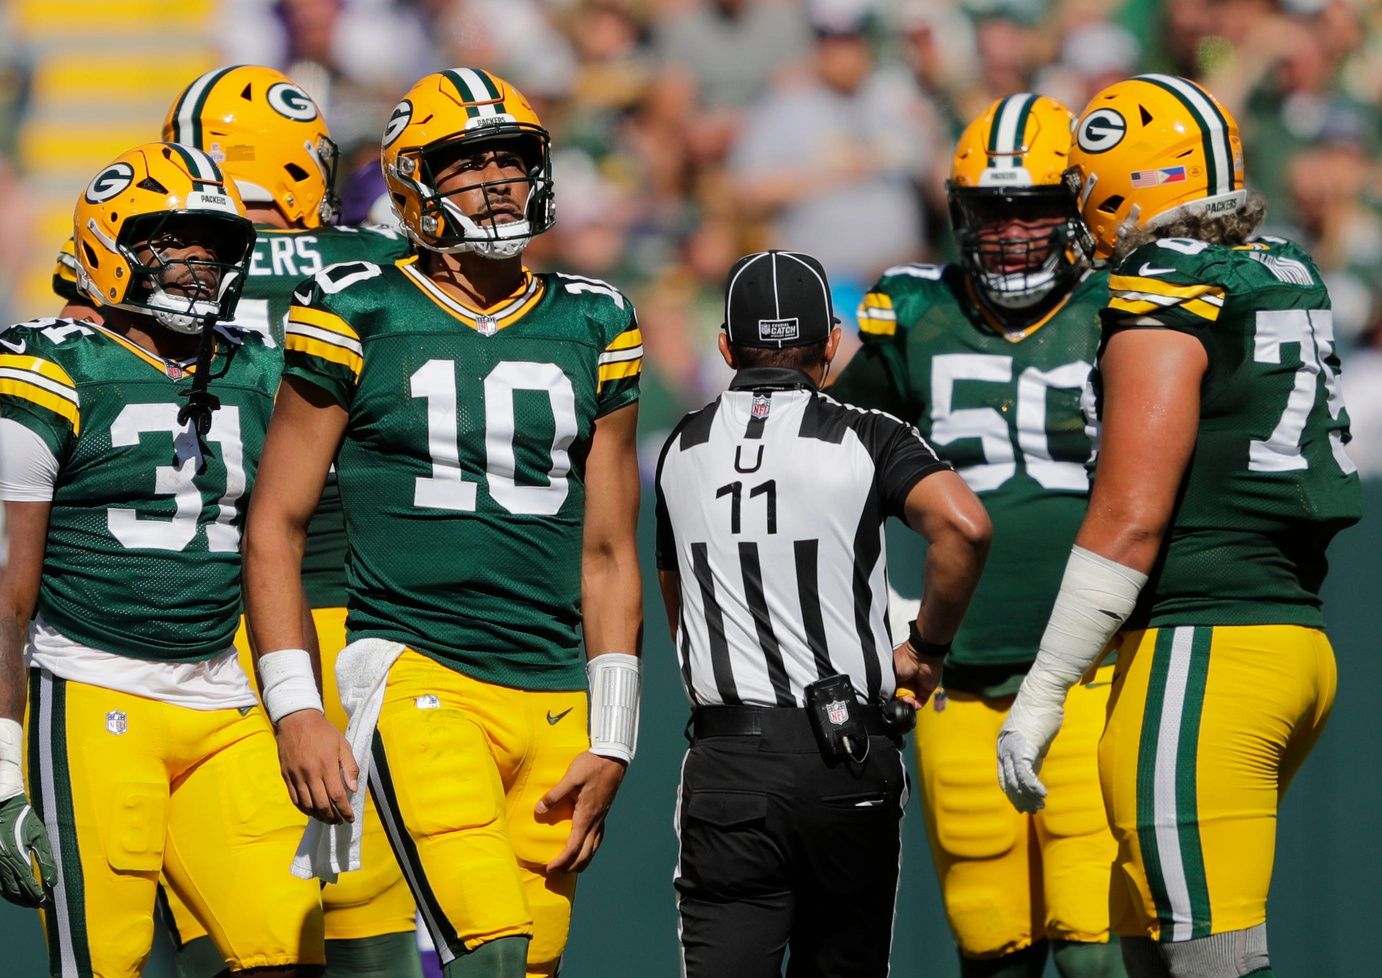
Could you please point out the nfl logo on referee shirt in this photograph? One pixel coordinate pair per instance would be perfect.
(761, 406)
(837, 711)
(115, 722)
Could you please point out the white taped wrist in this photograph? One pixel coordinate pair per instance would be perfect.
(288, 684)
(1095, 598)
(11, 759)
(616, 686)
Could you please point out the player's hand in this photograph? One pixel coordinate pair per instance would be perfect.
(317, 766)
(589, 784)
(23, 835)
(1022, 744)
(917, 675)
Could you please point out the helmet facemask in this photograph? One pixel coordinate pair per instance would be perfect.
(185, 294)
(1019, 245)
(443, 224)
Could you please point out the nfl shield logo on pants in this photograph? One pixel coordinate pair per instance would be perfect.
(115, 722)
(837, 711)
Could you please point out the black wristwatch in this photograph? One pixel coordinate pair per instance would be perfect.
(923, 647)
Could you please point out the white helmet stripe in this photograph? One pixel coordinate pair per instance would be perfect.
(186, 119)
(1007, 139)
(477, 85)
(1212, 120)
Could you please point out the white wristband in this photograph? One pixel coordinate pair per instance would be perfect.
(616, 684)
(1095, 598)
(11, 759)
(288, 684)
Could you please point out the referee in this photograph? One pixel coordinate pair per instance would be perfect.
(771, 502)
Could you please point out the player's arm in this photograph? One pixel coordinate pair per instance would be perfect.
(952, 520)
(612, 616)
(1150, 419)
(27, 487)
(303, 436)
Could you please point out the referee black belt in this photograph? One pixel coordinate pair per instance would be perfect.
(785, 722)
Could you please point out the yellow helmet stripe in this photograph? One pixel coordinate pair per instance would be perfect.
(1008, 137)
(1218, 153)
(187, 114)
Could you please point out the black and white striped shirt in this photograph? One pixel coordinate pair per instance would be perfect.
(771, 502)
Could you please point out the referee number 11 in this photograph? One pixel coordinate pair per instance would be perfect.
(735, 492)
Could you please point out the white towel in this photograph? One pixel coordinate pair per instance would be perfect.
(362, 671)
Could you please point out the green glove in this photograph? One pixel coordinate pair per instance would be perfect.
(21, 833)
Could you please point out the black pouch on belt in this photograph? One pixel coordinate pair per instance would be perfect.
(836, 719)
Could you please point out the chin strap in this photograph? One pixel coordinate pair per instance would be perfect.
(201, 403)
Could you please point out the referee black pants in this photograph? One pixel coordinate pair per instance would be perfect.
(780, 849)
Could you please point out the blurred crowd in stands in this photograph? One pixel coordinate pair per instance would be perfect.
(690, 131)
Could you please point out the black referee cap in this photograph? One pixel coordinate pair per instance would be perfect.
(776, 299)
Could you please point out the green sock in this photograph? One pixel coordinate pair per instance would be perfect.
(506, 957)
(1080, 959)
(384, 956)
(1029, 962)
(198, 958)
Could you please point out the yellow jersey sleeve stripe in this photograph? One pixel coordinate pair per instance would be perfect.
(1155, 286)
(1142, 307)
(878, 300)
(628, 338)
(876, 325)
(322, 320)
(299, 343)
(618, 371)
(37, 365)
(44, 398)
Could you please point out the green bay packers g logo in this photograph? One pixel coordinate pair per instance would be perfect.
(1102, 130)
(291, 102)
(109, 182)
(398, 121)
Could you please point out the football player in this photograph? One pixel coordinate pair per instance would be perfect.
(988, 358)
(482, 418)
(126, 485)
(1221, 478)
(272, 141)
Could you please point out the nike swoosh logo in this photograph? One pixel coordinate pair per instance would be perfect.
(554, 720)
(18, 346)
(1112, 614)
(1148, 269)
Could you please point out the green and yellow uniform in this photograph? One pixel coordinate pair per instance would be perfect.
(141, 582)
(1003, 407)
(462, 477)
(1225, 677)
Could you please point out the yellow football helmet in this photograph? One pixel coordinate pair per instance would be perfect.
(450, 109)
(1148, 150)
(267, 134)
(158, 196)
(1008, 204)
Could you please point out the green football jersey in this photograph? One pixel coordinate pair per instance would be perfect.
(462, 471)
(143, 547)
(1269, 482)
(1006, 413)
(282, 259)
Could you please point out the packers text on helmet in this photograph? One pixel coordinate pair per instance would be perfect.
(150, 200)
(1149, 150)
(267, 134)
(1008, 203)
(449, 113)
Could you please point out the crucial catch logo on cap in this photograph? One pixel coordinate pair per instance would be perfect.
(779, 329)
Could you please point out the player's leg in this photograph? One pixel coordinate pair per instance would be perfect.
(1076, 847)
(232, 833)
(981, 846)
(440, 796)
(1197, 809)
(534, 762)
(97, 779)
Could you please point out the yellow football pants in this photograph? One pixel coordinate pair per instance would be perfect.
(458, 767)
(1206, 728)
(1009, 879)
(130, 788)
(374, 899)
